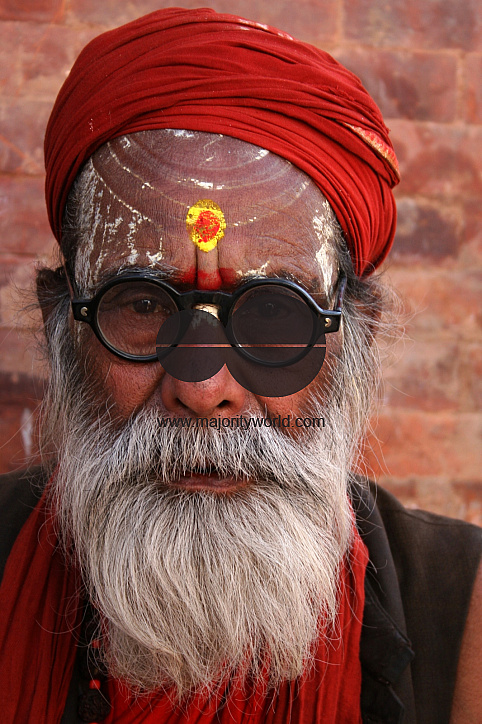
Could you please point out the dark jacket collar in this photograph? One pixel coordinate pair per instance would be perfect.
(385, 650)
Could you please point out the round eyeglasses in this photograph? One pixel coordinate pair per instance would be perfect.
(273, 322)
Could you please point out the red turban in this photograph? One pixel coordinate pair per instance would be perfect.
(202, 71)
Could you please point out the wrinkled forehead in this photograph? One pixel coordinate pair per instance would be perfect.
(137, 192)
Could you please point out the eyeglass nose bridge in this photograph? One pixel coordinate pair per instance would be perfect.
(213, 309)
(217, 303)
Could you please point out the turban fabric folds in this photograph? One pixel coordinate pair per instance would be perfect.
(203, 71)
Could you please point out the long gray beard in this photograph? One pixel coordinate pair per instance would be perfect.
(195, 586)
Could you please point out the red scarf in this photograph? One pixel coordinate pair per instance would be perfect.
(40, 604)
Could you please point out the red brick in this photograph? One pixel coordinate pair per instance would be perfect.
(471, 250)
(438, 160)
(24, 226)
(111, 13)
(472, 210)
(18, 306)
(35, 59)
(470, 377)
(19, 353)
(426, 377)
(39, 10)
(311, 20)
(409, 494)
(455, 499)
(473, 107)
(444, 303)
(20, 389)
(17, 313)
(13, 299)
(16, 270)
(420, 86)
(426, 230)
(471, 254)
(470, 494)
(22, 129)
(420, 24)
(424, 444)
(405, 490)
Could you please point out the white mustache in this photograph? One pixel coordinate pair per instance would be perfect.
(147, 451)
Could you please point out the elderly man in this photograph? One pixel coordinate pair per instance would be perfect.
(195, 547)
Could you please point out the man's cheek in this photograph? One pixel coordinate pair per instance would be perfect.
(122, 386)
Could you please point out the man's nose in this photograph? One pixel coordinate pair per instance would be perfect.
(220, 395)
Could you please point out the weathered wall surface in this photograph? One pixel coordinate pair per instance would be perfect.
(422, 61)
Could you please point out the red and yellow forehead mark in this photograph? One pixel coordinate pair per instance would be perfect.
(205, 224)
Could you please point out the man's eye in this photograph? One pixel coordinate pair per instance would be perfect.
(146, 306)
(270, 310)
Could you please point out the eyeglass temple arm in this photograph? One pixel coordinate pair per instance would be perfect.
(70, 280)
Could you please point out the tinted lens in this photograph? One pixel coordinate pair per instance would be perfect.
(130, 314)
(273, 323)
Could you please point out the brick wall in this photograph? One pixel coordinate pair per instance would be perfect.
(422, 61)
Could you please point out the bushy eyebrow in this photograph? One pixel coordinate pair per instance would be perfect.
(311, 285)
(167, 273)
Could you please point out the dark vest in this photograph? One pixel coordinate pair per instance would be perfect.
(418, 586)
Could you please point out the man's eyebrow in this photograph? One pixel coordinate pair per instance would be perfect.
(312, 285)
(165, 273)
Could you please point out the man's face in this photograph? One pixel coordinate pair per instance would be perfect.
(196, 585)
(277, 225)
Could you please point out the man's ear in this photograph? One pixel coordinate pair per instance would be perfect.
(51, 287)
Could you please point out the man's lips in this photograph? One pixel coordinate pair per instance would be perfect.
(209, 482)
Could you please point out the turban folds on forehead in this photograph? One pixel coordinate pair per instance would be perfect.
(203, 71)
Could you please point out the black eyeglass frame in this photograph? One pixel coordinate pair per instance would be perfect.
(85, 310)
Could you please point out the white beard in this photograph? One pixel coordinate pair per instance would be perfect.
(195, 587)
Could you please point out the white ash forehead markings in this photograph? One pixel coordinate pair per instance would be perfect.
(109, 230)
(133, 227)
(325, 226)
(155, 258)
(118, 198)
(94, 276)
(324, 222)
(211, 140)
(104, 225)
(91, 222)
(324, 230)
(180, 132)
(144, 182)
(325, 260)
(202, 184)
(133, 256)
(260, 271)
